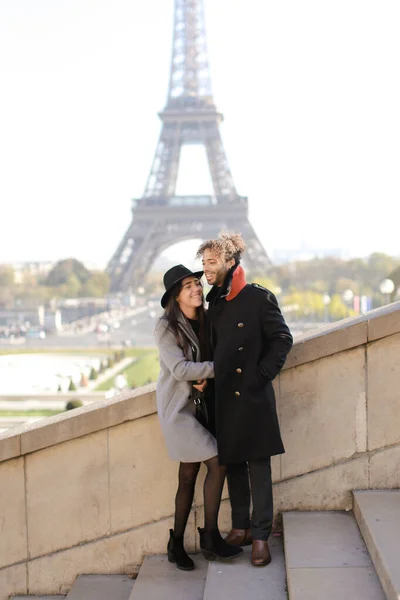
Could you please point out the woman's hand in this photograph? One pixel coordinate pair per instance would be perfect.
(200, 385)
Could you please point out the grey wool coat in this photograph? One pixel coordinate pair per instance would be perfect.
(186, 439)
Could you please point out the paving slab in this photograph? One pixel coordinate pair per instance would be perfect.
(327, 558)
(378, 516)
(101, 587)
(159, 579)
(351, 583)
(239, 580)
(37, 597)
(323, 539)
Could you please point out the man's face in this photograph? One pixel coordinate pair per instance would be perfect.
(215, 267)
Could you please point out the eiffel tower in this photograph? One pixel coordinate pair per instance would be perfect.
(162, 218)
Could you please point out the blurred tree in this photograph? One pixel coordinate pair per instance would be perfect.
(307, 305)
(395, 277)
(268, 283)
(363, 275)
(354, 269)
(70, 278)
(71, 288)
(72, 386)
(64, 269)
(338, 309)
(154, 283)
(379, 267)
(96, 286)
(6, 276)
(71, 404)
(344, 283)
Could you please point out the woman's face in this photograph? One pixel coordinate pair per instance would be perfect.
(191, 293)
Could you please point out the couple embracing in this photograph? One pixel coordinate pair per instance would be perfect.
(215, 398)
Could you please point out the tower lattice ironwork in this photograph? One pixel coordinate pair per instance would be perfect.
(162, 218)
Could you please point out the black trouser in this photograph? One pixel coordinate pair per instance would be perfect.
(261, 495)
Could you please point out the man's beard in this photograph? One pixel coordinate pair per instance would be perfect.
(220, 277)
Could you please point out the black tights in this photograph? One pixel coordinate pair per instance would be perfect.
(213, 484)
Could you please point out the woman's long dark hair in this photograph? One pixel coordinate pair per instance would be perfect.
(172, 313)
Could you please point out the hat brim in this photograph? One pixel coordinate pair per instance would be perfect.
(164, 299)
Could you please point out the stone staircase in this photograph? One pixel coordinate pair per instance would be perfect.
(94, 587)
(348, 555)
(159, 580)
(378, 516)
(345, 555)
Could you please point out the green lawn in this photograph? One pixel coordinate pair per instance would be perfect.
(29, 413)
(80, 351)
(144, 370)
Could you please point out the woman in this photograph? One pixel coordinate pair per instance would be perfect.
(181, 336)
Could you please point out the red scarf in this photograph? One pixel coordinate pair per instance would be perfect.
(238, 283)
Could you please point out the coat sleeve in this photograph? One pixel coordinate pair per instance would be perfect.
(172, 356)
(277, 336)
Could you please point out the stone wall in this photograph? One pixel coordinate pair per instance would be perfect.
(92, 490)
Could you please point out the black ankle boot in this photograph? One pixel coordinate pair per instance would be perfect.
(214, 546)
(177, 554)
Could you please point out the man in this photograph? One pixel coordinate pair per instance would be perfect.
(251, 341)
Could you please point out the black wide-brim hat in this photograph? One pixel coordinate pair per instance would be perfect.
(174, 276)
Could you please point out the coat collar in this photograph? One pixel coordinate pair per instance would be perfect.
(187, 330)
(238, 282)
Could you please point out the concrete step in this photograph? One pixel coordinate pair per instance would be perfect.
(239, 580)
(327, 558)
(37, 597)
(101, 587)
(158, 579)
(378, 517)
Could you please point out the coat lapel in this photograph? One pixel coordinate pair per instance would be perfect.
(189, 333)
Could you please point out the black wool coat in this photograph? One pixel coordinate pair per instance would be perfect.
(251, 341)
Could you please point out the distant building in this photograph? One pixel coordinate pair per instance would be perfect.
(40, 268)
(35, 316)
(72, 309)
(25, 269)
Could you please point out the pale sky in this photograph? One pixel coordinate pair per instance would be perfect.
(309, 89)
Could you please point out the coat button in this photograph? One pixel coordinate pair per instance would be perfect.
(240, 349)
(238, 371)
(240, 325)
(237, 393)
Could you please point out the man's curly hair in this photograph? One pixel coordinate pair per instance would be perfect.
(228, 245)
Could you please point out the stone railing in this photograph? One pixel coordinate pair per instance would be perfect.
(84, 395)
(92, 490)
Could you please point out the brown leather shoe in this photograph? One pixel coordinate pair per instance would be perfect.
(260, 554)
(239, 537)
